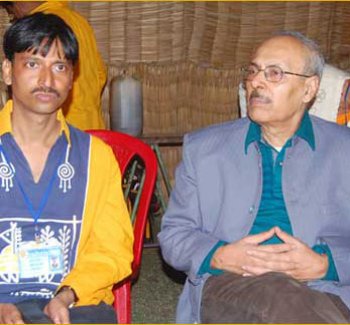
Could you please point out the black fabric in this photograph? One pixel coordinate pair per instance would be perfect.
(32, 313)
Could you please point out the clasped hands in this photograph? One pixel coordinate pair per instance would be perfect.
(248, 257)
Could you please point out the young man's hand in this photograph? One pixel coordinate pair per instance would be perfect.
(57, 308)
(9, 314)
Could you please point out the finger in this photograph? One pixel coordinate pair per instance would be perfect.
(64, 317)
(251, 270)
(300, 276)
(269, 256)
(56, 320)
(286, 237)
(297, 275)
(273, 262)
(247, 274)
(274, 248)
(254, 271)
(270, 267)
(259, 238)
(61, 318)
(58, 316)
(14, 317)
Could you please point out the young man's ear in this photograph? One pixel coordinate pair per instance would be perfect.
(7, 72)
(311, 88)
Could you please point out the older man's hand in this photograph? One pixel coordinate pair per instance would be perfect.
(9, 314)
(297, 259)
(234, 257)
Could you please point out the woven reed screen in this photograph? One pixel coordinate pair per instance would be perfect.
(339, 36)
(188, 54)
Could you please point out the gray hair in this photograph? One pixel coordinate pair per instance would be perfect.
(315, 62)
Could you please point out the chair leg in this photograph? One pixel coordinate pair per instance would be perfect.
(122, 302)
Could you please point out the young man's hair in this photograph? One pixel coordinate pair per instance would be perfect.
(6, 3)
(36, 33)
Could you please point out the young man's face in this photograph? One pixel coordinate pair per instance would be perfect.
(39, 84)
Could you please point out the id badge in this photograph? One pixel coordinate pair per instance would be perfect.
(36, 259)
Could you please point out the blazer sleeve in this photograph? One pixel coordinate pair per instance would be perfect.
(340, 249)
(183, 243)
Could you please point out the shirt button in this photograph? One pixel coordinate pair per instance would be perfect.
(251, 209)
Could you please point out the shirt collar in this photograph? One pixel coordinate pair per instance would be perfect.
(254, 134)
(6, 125)
(305, 131)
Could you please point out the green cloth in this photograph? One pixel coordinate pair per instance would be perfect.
(205, 267)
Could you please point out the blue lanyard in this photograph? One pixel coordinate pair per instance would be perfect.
(34, 213)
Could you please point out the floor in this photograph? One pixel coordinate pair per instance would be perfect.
(155, 294)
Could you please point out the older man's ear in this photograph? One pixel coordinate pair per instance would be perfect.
(311, 87)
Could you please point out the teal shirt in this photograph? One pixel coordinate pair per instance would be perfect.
(272, 210)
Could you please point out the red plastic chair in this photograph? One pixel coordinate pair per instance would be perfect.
(130, 153)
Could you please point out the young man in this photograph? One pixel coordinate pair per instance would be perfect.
(65, 233)
(82, 108)
(259, 218)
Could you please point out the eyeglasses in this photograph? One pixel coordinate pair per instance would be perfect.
(272, 73)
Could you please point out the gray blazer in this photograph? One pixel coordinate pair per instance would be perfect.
(217, 195)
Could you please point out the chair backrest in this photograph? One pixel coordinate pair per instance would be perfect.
(138, 165)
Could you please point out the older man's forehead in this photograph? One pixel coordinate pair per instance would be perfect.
(280, 50)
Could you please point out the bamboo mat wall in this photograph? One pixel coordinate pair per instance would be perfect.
(188, 54)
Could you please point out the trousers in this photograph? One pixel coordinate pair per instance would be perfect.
(32, 313)
(269, 298)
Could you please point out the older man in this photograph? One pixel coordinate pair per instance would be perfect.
(259, 218)
(65, 232)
